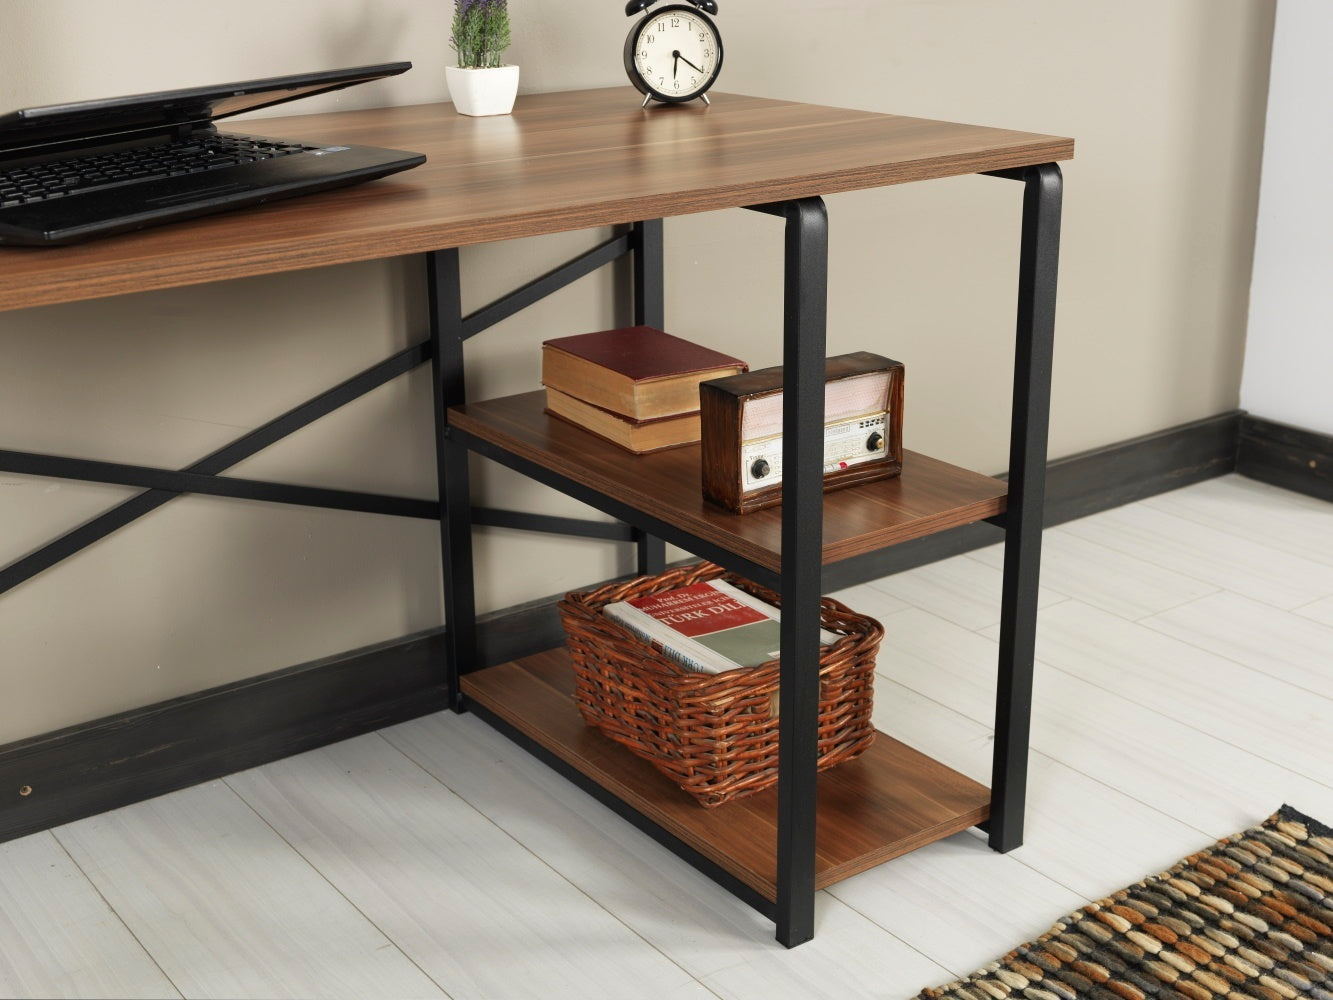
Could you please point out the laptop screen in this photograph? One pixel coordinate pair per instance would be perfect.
(123, 116)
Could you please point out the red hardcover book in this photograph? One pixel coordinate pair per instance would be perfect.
(638, 372)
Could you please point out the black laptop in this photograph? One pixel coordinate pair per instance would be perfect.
(69, 172)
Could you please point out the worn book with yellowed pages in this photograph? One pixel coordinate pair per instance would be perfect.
(638, 436)
(638, 372)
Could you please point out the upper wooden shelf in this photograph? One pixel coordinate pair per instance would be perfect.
(561, 161)
(929, 496)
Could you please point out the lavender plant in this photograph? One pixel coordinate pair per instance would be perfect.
(481, 32)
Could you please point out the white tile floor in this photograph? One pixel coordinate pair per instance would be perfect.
(1184, 690)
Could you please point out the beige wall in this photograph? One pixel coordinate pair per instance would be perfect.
(1165, 99)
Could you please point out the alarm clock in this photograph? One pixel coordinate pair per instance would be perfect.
(674, 53)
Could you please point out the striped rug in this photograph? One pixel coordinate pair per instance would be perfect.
(1250, 918)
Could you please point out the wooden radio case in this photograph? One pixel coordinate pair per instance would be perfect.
(741, 425)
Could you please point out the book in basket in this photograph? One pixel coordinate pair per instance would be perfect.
(707, 627)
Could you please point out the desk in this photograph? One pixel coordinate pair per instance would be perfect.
(594, 159)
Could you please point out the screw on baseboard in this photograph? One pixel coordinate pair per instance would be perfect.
(25, 790)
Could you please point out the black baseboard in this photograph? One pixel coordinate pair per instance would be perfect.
(1143, 467)
(71, 773)
(66, 775)
(1075, 487)
(1286, 456)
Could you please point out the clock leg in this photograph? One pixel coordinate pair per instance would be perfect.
(707, 102)
(646, 99)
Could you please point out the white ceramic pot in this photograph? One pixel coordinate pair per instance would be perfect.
(480, 92)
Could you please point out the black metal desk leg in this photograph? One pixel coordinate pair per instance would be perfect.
(805, 315)
(446, 334)
(649, 310)
(1038, 266)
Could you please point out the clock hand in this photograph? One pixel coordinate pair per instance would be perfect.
(690, 64)
(675, 54)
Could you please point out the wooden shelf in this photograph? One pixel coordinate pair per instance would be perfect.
(887, 802)
(929, 496)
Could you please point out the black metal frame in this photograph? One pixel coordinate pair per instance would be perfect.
(649, 310)
(799, 580)
(203, 476)
(1034, 341)
(449, 329)
(804, 332)
(645, 522)
(804, 323)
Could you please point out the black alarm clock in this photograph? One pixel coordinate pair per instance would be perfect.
(674, 53)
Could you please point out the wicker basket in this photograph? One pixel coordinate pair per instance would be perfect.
(716, 735)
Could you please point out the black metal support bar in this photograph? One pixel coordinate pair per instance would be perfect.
(552, 281)
(171, 481)
(239, 450)
(649, 273)
(649, 310)
(446, 334)
(804, 335)
(624, 512)
(778, 208)
(165, 485)
(612, 531)
(307, 413)
(650, 554)
(1038, 270)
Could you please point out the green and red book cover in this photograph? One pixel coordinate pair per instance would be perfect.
(707, 627)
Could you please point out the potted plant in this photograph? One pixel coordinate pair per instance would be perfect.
(480, 84)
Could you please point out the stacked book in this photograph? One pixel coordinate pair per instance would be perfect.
(637, 387)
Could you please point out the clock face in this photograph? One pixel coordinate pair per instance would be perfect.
(673, 54)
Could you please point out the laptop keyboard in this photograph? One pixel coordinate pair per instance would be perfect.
(76, 174)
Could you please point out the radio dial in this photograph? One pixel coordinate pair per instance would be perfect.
(875, 442)
(760, 468)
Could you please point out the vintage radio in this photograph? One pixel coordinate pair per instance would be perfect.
(741, 418)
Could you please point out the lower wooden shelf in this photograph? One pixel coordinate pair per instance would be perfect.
(887, 802)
